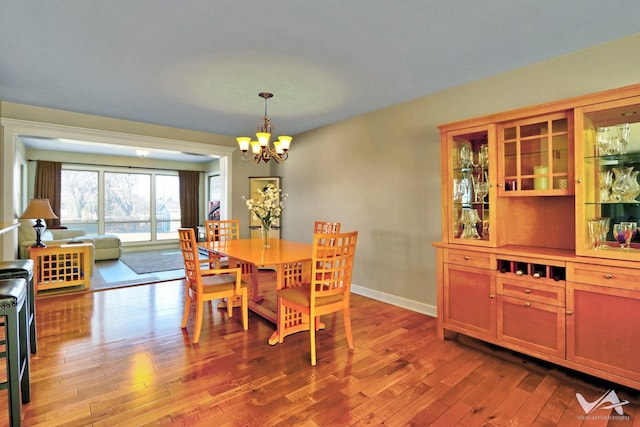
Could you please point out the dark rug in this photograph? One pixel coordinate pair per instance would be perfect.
(149, 262)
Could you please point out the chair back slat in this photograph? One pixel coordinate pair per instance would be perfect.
(325, 227)
(190, 256)
(220, 230)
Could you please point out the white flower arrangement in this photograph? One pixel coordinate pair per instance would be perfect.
(268, 206)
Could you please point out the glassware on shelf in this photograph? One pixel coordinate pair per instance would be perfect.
(634, 187)
(465, 155)
(469, 218)
(623, 186)
(480, 189)
(602, 141)
(605, 179)
(623, 136)
(624, 232)
(595, 232)
(459, 189)
(598, 229)
(483, 156)
(605, 223)
(611, 145)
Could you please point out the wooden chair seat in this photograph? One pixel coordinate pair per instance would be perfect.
(219, 283)
(301, 296)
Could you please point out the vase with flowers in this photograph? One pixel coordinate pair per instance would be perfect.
(267, 208)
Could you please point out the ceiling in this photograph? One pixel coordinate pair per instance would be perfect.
(200, 64)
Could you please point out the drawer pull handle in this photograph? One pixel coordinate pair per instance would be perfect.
(536, 275)
(569, 312)
(467, 258)
(527, 304)
(527, 291)
(608, 276)
(519, 273)
(492, 296)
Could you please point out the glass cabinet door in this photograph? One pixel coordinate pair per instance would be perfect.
(536, 156)
(608, 202)
(469, 186)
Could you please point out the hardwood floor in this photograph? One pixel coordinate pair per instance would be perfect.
(119, 357)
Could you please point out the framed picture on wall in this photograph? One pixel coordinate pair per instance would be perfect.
(213, 210)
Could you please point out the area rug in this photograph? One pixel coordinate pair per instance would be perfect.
(153, 261)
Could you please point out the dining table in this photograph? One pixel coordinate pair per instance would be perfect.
(292, 263)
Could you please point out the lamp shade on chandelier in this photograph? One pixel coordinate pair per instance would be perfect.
(261, 148)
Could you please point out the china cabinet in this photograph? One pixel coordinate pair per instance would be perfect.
(545, 260)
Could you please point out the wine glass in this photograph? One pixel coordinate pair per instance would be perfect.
(465, 155)
(483, 156)
(605, 181)
(603, 141)
(481, 190)
(623, 136)
(623, 232)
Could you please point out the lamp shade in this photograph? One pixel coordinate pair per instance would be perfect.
(38, 209)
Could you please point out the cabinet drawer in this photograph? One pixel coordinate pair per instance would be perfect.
(469, 258)
(531, 325)
(615, 277)
(530, 291)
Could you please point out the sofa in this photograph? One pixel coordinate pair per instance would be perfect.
(105, 246)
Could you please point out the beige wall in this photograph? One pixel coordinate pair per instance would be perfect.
(379, 173)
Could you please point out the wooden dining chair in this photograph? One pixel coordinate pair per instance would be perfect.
(204, 285)
(330, 287)
(220, 230)
(326, 227)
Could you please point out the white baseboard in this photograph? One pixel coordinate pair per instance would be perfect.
(419, 307)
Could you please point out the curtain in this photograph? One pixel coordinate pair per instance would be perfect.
(189, 198)
(47, 185)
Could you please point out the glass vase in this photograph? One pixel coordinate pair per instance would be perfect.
(265, 233)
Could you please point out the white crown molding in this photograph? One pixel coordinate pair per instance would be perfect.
(49, 130)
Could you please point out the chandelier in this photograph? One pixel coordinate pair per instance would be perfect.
(261, 149)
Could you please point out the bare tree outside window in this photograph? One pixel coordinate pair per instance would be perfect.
(79, 199)
(128, 205)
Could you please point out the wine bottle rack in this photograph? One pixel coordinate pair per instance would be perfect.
(532, 269)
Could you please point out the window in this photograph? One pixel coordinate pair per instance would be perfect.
(107, 200)
(167, 206)
(79, 199)
(127, 206)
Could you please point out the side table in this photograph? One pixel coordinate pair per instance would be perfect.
(62, 266)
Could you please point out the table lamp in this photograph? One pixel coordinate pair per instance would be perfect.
(38, 209)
